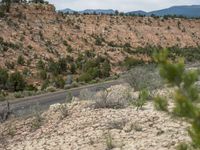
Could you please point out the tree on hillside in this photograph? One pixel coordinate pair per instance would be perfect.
(3, 78)
(7, 4)
(37, 1)
(16, 82)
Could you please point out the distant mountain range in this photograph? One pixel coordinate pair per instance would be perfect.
(89, 11)
(187, 11)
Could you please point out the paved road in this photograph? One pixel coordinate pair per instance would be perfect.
(25, 106)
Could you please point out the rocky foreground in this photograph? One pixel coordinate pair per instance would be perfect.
(83, 127)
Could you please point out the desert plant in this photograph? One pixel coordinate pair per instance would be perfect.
(186, 93)
(69, 97)
(160, 103)
(64, 110)
(142, 99)
(3, 78)
(86, 94)
(182, 146)
(106, 68)
(109, 142)
(40, 64)
(18, 95)
(130, 62)
(37, 118)
(11, 130)
(16, 82)
(59, 82)
(43, 74)
(142, 77)
(50, 89)
(20, 60)
(102, 100)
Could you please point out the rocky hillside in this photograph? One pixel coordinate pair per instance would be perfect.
(36, 32)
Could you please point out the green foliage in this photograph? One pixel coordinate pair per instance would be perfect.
(143, 96)
(54, 68)
(57, 68)
(182, 146)
(59, 82)
(3, 78)
(43, 74)
(95, 68)
(45, 84)
(109, 142)
(106, 68)
(20, 60)
(73, 68)
(86, 77)
(16, 82)
(40, 64)
(99, 40)
(18, 95)
(69, 49)
(130, 62)
(160, 103)
(186, 93)
(62, 63)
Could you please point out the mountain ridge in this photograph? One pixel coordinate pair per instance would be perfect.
(182, 10)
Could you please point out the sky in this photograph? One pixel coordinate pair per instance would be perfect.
(121, 5)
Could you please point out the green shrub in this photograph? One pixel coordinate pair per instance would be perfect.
(3, 78)
(143, 97)
(109, 142)
(160, 104)
(40, 64)
(106, 68)
(2, 14)
(16, 82)
(18, 95)
(69, 49)
(45, 84)
(99, 41)
(186, 93)
(43, 74)
(182, 146)
(38, 119)
(20, 60)
(59, 82)
(130, 62)
(54, 68)
(57, 68)
(26, 72)
(50, 89)
(85, 77)
(69, 97)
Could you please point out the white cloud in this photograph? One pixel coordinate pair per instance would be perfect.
(122, 5)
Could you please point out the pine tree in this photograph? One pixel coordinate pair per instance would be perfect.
(186, 94)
